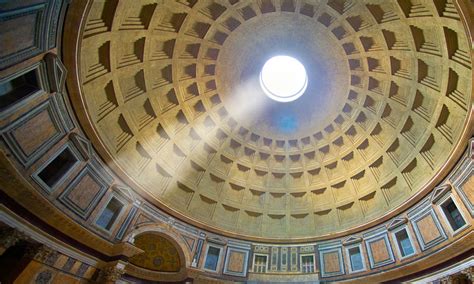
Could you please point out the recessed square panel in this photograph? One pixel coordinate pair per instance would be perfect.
(428, 229)
(236, 262)
(332, 263)
(27, 22)
(464, 185)
(44, 124)
(84, 192)
(379, 250)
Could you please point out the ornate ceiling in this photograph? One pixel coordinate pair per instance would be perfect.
(171, 96)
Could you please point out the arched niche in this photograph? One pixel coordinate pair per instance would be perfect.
(160, 254)
(165, 256)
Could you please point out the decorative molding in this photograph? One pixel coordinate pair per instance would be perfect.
(471, 148)
(83, 145)
(307, 249)
(261, 249)
(238, 244)
(101, 170)
(124, 191)
(216, 240)
(189, 242)
(154, 212)
(143, 219)
(57, 73)
(197, 253)
(439, 192)
(63, 112)
(397, 222)
(125, 224)
(351, 240)
(53, 21)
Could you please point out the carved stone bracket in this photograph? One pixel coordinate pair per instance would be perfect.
(446, 280)
(112, 273)
(463, 276)
(469, 273)
(39, 252)
(127, 249)
(10, 237)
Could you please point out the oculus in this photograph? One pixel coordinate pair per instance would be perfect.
(283, 78)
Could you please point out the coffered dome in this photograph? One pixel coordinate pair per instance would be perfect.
(170, 97)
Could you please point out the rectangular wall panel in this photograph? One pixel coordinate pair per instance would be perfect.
(44, 124)
(27, 22)
(236, 262)
(284, 259)
(331, 261)
(428, 229)
(38, 23)
(379, 250)
(274, 259)
(463, 183)
(84, 192)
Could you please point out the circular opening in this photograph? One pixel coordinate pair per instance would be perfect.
(283, 78)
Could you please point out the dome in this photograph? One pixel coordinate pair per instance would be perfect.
(173, 101)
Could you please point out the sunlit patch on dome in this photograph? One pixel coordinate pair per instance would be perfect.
(287, 123)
